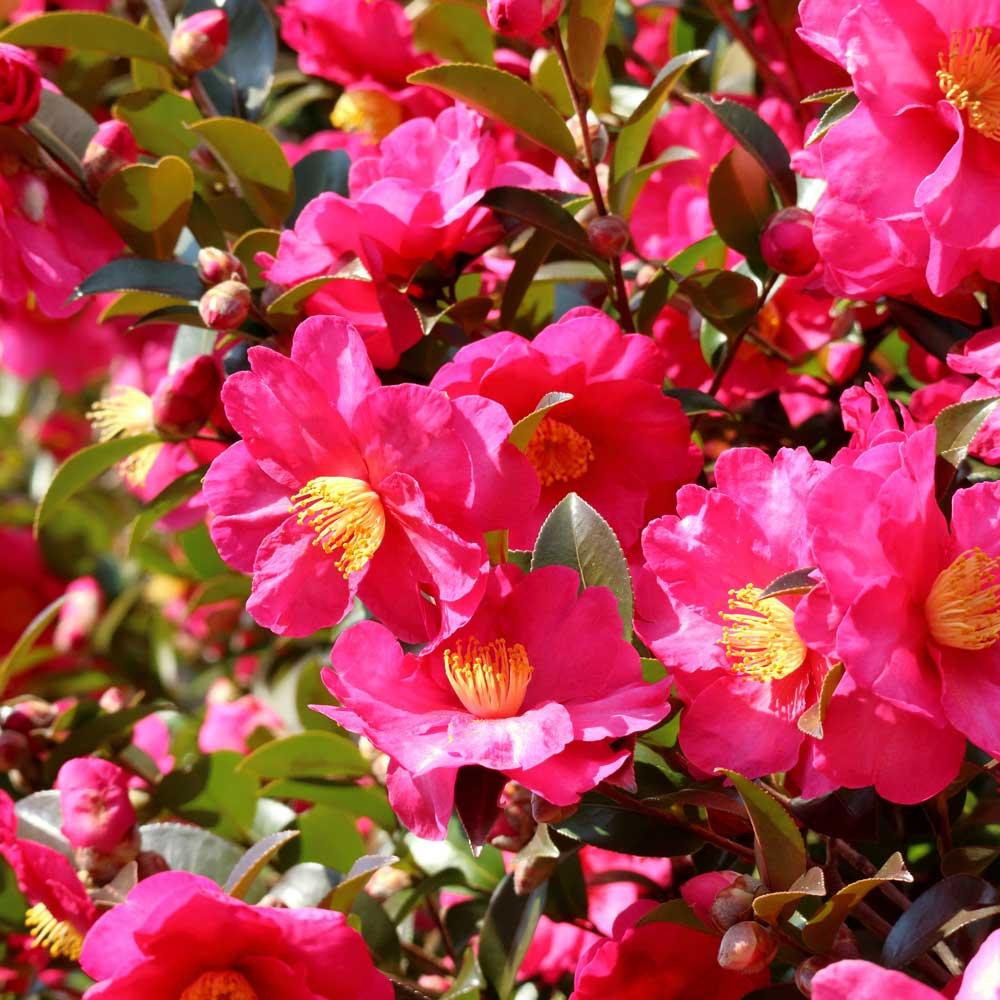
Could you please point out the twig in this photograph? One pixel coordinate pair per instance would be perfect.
(161, 17)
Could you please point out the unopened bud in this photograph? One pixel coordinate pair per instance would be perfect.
(806, 971)
(731, 906)
(112, 148)
(78, 615)
(113, 699)
(598, 136)
(387, 882)
(200, 41)
(523, 18)
(20, 85)
(103, 866)
(546, 812)
(530, 873)
(216, 265)
(747, 947)
(787, 242)
(151, 863)
(29, 715)
(96, 810)
(225, 306)
(608, 236)
(185, 399)
(14, 750)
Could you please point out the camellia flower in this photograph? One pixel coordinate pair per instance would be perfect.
(180, 936)
(513, 691)
(927, 76)
(78, 616)
(26, 584)
(228, 724)
(342, 486)
(619, 442)
(20, 85)
(524, 18)
(93, 798)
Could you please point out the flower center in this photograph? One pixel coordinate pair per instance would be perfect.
(759, 637)
(59, 937)
(126, 413)
(558, 453)
(963, 607)
(970, 78)
(226, 985)
(490, 681)
(368, 111)
(346, 514)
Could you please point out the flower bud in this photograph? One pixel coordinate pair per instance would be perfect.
(524, 18)
(608, 235)
(200, 41)
(216, 265)
(103, 866)
(530, 873)
(78, 615)
(29, 715)
(747, 947)
(112, 148)
(96, 809)
(598, 136)
(150, 863)
(546, 812)
(185, 399)
(20, 85)
(113, 699)
(14, 750)
(226, 305)
(806, 971)
(732, 905)
(787, 242)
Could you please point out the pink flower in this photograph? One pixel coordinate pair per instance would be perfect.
(663, 960)
(513, 691)
(152, 736)
(20, 85)
(926, 75)
(93, 796)
(342, 486)
(78, 616)
(619, 442)
(524, 18)
(228, 724)
(413, 203)
(181, 937)
(26, 584)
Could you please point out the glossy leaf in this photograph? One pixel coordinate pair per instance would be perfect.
(253, 862)
(306, 884)
(249, 245)
(159, 120)
(310, 754)
(835, 113)
(523, 430)
(316, 173)
(167, 277)
(90, 31)
(187, 848)
(693, 401)
(358, 876)
(771, 906)
(212, 793)
(586, 37)
(740, 201)
(811, 720)
(454, 31)
(507, 932)
(727, 299)
(39, 819)
(958, 425)
(63, 128)
(798, 581)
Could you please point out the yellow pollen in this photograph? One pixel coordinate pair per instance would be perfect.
(227, 985)
(963, 607)
(369, 111)
(59, 937)
(969, 77)
(760, 638)
(346, 514)
(126, 413)
(490, 681)
(558, 452)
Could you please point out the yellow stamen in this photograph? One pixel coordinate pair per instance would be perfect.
(346, 514)
(558, 452)
(126, 413)
(490, 681)
(963, 607)
(59, 937)
(227, 985)
(760, 639)
(369, 111)
(969, 77)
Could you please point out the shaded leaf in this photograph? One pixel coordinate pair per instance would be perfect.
(316, 173)
(63, 128)
(254, 861)
(798, 581)
(810, 721)
(33, 631)
(507, 931)
(167, 277)
(673, 911)
(586, 37)
(169, 498)
(694, 401)
(935, 333)
(527, 262)
(213, 794)
(740, 201)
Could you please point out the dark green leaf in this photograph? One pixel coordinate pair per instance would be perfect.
(527, 261)
(213, 794)
(359, 875)
(798, 581)
(168, 499)
(167, 277)
(316, 173)
(378, 930)
(935, 333)
(33, 631)
(13, 905)
(694, 401)
(63, 128)
(507, 932)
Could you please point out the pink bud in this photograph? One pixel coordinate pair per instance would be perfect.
(200, 41)
(96, 810)
(524, 18)
(747, 947)
(806, 972)
(78, 615)
(608, 235)
(228, 725)
(112, 148)
(216, 265)
(226, 305)
(787, 242)
(185, 399)
(20, 85)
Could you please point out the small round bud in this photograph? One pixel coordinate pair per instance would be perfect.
(225, 306)
(786, 243)
(96, 810)
(747, 947)
(200, 41)
(545, 812)
(112, 148)
(806, 971)
(608, 236)
(34, 200)
(216, 265)
(732, 905)
(78, 615)
(29, 715)
(185, 399)
(523, 18)
(598, 136)
(20, 85)
(113, 699)
(151, 863)
(14, 750)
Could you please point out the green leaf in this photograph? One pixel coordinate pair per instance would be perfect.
(835, 113)
(168, 499)
(330, 837)
(88, 31)
(189, 342)
(575, 535)
(935, 333)
(158, 119)
(778, 846)
(33, 631)
(774, 906)
(201, 552)
(257, 163)
(148, 205)
(726, 299)
(507, 932)
(958, 425)
(433, 856)
(674, 911)
(694, 401)
(191, 849)
(359, 875)
(311, 754)
(454, 32)
(811, 720)
(167, 277)
(249, 245)
(316, 173)
(13, 905)
(741, 201)
(523, 430)
(290, 303)
(82, 468)
(213, 793)
(470, 982)
(253, 862)
(378, 930)
(798, 581)
(502, 96)
(758, 139)
(357, 800)
(63, 128)
(586, 37)
(632, 139)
